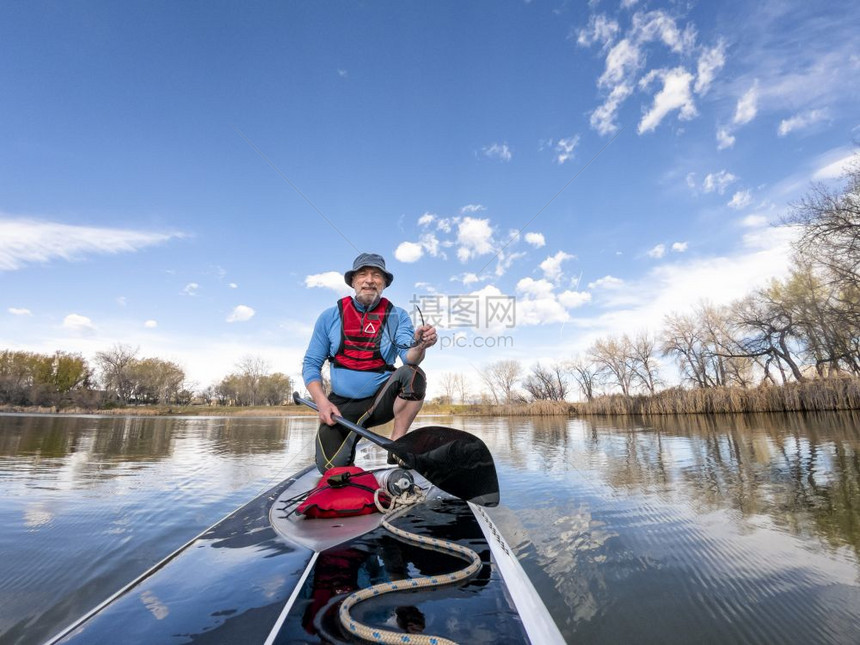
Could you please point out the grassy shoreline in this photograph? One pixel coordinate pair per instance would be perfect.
(537, 408)
(809, 396)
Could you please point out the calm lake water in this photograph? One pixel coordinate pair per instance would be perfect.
(735, 529)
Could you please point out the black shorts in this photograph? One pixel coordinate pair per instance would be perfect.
(335, 445)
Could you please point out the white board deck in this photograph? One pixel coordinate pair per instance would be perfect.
(319, 534)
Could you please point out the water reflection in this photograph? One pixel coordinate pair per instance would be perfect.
(730, 528)
(743, 527)
(90, 502)
(131, 438)
(802, 471)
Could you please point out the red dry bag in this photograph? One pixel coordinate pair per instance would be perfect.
(343, 491)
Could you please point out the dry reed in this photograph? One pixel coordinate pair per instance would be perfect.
(808, 396)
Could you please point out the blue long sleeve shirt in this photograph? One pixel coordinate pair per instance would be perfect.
(325, 342)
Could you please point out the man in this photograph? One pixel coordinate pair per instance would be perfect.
(362, 336)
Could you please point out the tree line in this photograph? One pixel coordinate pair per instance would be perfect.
(120, 377)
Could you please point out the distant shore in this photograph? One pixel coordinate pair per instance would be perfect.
(537, 408)
(819, 395)
(807, 396)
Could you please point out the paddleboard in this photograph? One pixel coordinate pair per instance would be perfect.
(262, 575)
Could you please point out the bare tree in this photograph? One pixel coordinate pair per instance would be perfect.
(207, 395)
(682, 339)
(501, 377)
(461, 387)
(252, 369)
(824, 326)
(771, 330)
(830, 236)
(449, 386)
(704, 345)
(643, 363)
(114, 365)
(546, 383)
(611, 356)
(585, 374)
(828, 280)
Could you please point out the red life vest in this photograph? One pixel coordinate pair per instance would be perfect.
(361, 336)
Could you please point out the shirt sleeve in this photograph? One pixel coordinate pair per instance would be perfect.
(405, 333)
(318, 349)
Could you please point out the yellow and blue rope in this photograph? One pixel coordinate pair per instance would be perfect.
(376, 635)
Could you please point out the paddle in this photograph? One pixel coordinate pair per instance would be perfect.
(457, 462)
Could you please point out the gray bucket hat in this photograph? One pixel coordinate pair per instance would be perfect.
(368, 260)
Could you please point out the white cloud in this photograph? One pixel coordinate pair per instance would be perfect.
(690, 179)
(718, 181)
(28, 241)
(622, 62)
(754, 221)
(564, 149)
(675, 95)
(431, 245)
(657, 252)
(150, 324)
(426, 219)
(574, 299)
(78, 323)
(190, 289)
(626, 58)
(836, 169)
(679, 247)
(535, 239)
(710, 62)
(499, 151)
(472, 208)
(538, 305)
(601, 30)
(551, 267)
(725, 139)
(474, 237)
(537, 288)
(801, 121)
(241, 313)
(445, 223)
(603, 117)
(328, 280)
(233, 285)
(20, 311)
(659, 26)
(505, 260)
(606, 282)
(678, 286)
(741, 199)
(408, 252)
(747, 107)
(468, 278)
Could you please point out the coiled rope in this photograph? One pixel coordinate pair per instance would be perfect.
(398, 506)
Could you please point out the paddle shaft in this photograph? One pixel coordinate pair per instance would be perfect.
(455, 461)
(357, 429)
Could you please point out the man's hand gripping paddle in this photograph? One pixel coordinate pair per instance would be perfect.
(457, 462)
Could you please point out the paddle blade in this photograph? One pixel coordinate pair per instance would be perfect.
(457, 462)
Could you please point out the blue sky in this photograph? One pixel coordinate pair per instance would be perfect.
(600, 164)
